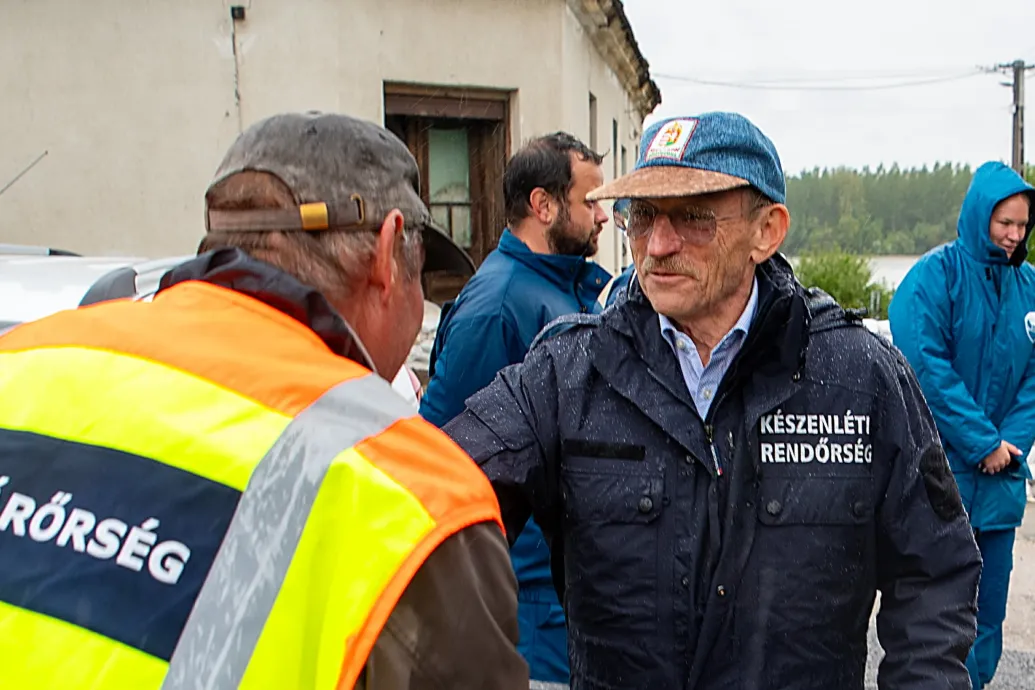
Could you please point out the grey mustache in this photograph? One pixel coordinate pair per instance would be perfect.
(668, 266)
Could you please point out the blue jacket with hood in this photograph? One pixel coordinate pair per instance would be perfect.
(619, 284)
(491, 325)
(964, 317)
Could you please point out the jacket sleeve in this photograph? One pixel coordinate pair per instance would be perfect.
(921, 328)
(1019, 425)
(509, 429)
(617, 285)
(472, 351)
(456, 624)
(928, 563)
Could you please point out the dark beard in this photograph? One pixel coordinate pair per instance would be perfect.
(562, 240)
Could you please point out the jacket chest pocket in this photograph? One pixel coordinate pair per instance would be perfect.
(818, 529)
(815, 501)
(603, 483)
(813, 555)
(612, 505)
(812, 562)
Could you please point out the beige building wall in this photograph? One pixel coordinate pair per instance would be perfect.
(135, 103)
(131, 101)
(614, 124)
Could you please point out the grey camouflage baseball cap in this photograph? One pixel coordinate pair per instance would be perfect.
(345, 173)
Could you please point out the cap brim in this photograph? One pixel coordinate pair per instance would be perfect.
(441, 253)
(666, 181)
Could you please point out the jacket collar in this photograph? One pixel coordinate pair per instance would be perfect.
(235, 270)
(630, 338)
(566, 272)
(778, 337)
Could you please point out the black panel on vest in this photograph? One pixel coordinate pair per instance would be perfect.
(108, 576)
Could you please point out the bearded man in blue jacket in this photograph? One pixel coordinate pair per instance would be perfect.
(964, 317)
(537, 273)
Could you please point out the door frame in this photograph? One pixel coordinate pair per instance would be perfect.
(486, 114)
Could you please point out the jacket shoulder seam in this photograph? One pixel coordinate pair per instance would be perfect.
(826, 383)
(568, 323)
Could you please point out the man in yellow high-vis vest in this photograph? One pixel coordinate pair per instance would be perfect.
(218, 489)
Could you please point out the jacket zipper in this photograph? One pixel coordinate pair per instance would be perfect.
(709, 432)
(733, 373)
(709, 427)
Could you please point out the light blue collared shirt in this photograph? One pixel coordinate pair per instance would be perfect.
(703, 381)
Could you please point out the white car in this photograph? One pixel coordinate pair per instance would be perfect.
(39, 281)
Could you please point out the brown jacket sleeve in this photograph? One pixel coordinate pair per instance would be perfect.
(456, 625)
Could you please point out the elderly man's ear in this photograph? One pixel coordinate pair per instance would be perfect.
(771, 232)
(383, 273)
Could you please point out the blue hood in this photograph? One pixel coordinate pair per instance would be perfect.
(992, 183)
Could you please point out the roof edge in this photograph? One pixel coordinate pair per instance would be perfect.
(610, 31)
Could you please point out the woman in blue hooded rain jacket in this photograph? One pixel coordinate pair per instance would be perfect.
(964, 317)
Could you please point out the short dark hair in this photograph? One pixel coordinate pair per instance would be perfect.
(543, 162)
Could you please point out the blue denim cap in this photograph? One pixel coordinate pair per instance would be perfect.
(700, 154)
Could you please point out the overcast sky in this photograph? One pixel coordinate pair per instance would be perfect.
(828, 43)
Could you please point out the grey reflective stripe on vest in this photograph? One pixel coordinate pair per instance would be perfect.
(236, 599)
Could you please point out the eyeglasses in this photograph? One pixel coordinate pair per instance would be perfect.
(693, 225)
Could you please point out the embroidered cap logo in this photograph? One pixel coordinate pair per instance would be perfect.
(671, 140)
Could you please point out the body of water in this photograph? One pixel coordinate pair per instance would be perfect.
(888, 269)
(891, 269)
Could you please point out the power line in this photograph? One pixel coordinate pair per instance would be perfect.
(776, 86)
(833, 78)
(854, 75)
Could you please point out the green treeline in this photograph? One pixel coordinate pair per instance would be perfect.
(841, 217)
(874, 212)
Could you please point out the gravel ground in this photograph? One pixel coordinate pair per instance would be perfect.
(1017, 667)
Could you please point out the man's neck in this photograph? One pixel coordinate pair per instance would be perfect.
(533, 236)
(708, 330)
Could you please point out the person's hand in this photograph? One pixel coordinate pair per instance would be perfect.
(1000, 458)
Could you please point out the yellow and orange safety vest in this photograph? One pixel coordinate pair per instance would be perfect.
(197, 492)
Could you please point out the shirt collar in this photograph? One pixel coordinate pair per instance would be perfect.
(741, 327)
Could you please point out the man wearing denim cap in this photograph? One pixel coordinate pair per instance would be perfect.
(728, 466)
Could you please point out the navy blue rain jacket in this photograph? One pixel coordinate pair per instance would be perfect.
(742, 550)
(620, 285)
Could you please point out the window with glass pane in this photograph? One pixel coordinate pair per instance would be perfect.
(449, 182)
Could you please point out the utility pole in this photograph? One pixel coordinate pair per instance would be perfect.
(1018, 67)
